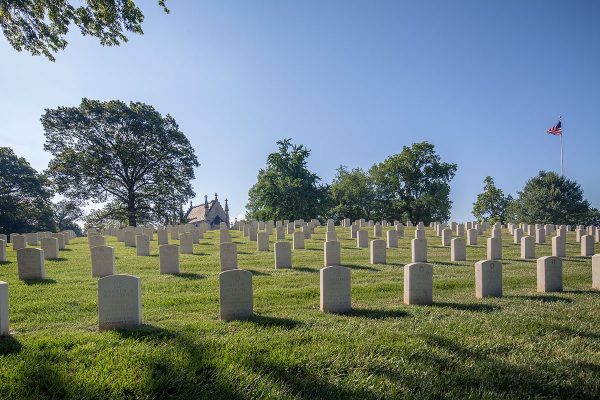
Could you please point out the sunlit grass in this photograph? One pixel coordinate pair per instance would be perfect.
(522, 345)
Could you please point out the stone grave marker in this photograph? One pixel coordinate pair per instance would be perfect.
(169, 259)
(103, 261)
(335, 288)
(119, 302)
(50, 248)
(378, 251)
(30, 263)
(332, 256)
(283, 255)
(488, 279)
(228, 256)
(549, 274)
(418, 283)
(235, 295)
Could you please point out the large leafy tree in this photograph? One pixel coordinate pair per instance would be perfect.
(352, 194)
(128, 155)
(40, 26)
(24, 196)
(66, 213)
(414, 185)
(286, 189)
(551, 198)
(491, 204)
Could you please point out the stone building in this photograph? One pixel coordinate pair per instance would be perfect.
(209, 212)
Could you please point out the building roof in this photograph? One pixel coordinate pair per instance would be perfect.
(198, 213)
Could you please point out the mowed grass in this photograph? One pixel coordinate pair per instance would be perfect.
(524, 345)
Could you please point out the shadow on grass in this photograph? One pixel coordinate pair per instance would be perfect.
(39, 281)
(361, 267)
(145, 332)
(4, 262)
(582, 291)
(259, 273)
(65, 249)
(449, 263)
(192, 276)
(544, 298)
(371, 313)
(59, 259)
(276, 322)
(305, 269)
(461, 367)
(9, 345)
(525, 260)
(474, 307)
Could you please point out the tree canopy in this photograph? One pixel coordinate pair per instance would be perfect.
(66, 213)
(24, 196)
(286, 189)
(414, 185)
(40, 26)
(352, 194)
(491, 204)
(129, 156)
(551, 198)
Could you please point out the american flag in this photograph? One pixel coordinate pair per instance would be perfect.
(556, 129)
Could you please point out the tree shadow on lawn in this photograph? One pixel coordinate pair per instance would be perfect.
(524, 260)
(372, 313)
(266, 321)
(361, 267)
(474, 307)
(45, 281)
(304, 269)
(544, 298)
(5, 262)
(59, 259)
(192, 276)
(470, 368)
(9, 345)
(258, 273)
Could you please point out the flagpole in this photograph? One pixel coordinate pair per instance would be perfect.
(562, 173)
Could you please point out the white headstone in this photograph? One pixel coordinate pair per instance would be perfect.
(163, 236)
(527, 247)
(335, 289)
(130, 238)
(419, 250)
(418, 283)
(559, 246)
(596, 271)
(262, 241)
(4, 325)
(235, 294)
(332, 256)
(142, 245)
(279, 233)
(330, 236)
(540, 236)
(494, 248)
(549, 274)
(488, 279)
(362, 239)
(103, 261)
(228, 256)
(458, 250)
(186, 243)
(18, 242)
(392, 239)
(2, 250)
(169, 258)
(30, 263)
(587, 246)
(283, 255)
(298, 240)
(378, 251)
(50, 248)
(119, 302)
(472, 236)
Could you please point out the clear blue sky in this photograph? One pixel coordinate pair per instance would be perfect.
(354, 81)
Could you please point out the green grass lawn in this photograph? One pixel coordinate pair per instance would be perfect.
(525, 345)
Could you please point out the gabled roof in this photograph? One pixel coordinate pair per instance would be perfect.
(198, 213)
